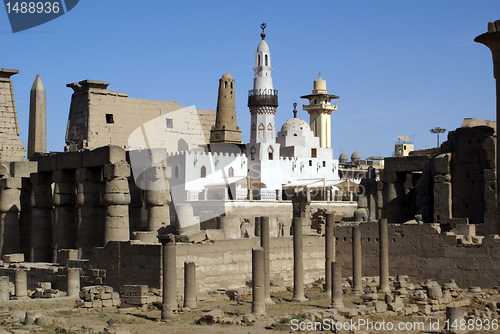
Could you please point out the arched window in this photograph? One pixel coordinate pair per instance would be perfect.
(177, 171)
(265, 59)
(203, 172)
(261, 131)
(230, 172)
(231, 86)
(225, 84)
(269, 131)
(259, 61)
(252, 153)
(270, 152)
(254, 128)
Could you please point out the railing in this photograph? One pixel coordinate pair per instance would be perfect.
(265, 97)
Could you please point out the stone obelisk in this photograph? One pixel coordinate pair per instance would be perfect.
(37, 138)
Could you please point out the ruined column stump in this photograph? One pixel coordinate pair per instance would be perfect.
(21, 284)
(329, 250)
(4, 288)
(383, 256)
(336, 276)
(357, 287)
(157, 198)
(190, 285)
(298, 262)
(169, 291)
(73, 280)
(258, 290)
(231, 227)
(453, 317)
(265, 244)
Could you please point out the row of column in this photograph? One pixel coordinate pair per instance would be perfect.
(89, 207)
(21, 284)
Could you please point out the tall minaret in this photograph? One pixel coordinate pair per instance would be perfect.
(320, 111)
(37, 135)
(225, 129)
(262, 102)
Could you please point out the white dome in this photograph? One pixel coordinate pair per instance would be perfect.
(263, 46)
(295, 124)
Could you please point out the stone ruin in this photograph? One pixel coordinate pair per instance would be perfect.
(77, 218)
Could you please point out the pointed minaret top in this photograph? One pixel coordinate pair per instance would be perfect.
(295, 110)
(263, 27)
(38, 84)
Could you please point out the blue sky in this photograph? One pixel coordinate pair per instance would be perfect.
(399, 67)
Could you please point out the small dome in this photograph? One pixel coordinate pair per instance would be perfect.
(263, 46)
(227, 76)
(355, 156)
(295, 124)
(319, 84)
(343, 158)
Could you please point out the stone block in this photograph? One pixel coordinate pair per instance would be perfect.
(442, 163)
(134, 290)
(442, 202)
(193, 236)
(63, 255)
(47, 162)
(214, 234)
(69, 160)
(13, 258)
(88, 174)
(107, 303)
(439, 178)
(119, 170)
(464, 229)
(60, 175)
(23, 168)
(10, 183)
(103, 155)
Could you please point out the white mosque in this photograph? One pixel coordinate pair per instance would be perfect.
(298, 156)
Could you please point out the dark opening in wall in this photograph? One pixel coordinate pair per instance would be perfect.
(170, 123)
(109, 119)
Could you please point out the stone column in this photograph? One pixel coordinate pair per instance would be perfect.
(135, 206)
(264, 243)
(89, 227)
(64, 223)
(329, 250)
(336, 283)
(492, 40)
(10, 205)
(383, 255)
(190, 285)
(21, 284)
(258, 291)
(453, 317)
(187, 220)
(41, 218)
(73, 280)
(4, 288)
(357, 287)
(298, 262)
(157, 197)
(230, 226)
(169, 293)
(257, 226)
(116, 199)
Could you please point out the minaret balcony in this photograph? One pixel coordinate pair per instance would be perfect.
(266, 97)
(323, 106)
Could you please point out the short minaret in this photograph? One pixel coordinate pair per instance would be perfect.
(37, 136)
(320, 111)
(225, 129)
